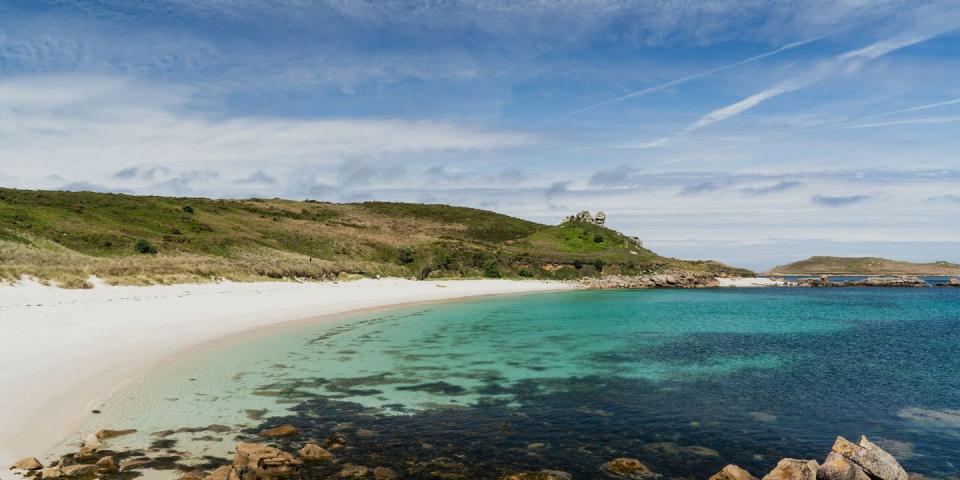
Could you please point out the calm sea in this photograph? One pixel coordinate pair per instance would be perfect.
(685, 380)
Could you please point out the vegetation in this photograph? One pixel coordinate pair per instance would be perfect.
(68, 236)
(864, 266)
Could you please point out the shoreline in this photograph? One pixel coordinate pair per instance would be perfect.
(60, 345)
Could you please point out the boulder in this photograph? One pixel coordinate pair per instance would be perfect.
(51, 472)
(838, 467)
(732, 472)
(384, 473)
(81, 470)
(226, 472)
(29, 463)
(874, 461)
(106, 465)
(281, 431)
(315, 453)
(193, 475)
(541, 475)
(353, 471)
(260, 461)
(793, 469)
(628, 468)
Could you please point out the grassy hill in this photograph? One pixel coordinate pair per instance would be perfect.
(864, 266)
(68, 236)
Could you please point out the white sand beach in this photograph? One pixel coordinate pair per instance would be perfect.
(62, 351)
(747, 282)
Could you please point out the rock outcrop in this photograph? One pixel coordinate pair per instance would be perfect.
(256, 462)
(895, 282)
(872, 459)
(665, 280)
(953, 282)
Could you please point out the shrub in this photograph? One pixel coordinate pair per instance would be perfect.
(188, 209)
(599, 264)
(525, 272)
(145, 247)
(491, 270)
(405, 256)
(598, 238)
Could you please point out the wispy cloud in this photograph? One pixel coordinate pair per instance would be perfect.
(688, 78)
(840, 200)
(908, 121)
(817, 73)
(775, 188)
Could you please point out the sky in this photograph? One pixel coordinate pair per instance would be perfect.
(755, 132)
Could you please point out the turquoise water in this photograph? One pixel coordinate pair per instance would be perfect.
(685, 380)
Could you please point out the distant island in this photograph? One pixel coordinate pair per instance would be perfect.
(863, 266)
(66, 237)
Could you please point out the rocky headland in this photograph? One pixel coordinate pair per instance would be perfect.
(701, 280)
(847, 460)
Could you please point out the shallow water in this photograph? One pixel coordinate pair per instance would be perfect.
(685, 380)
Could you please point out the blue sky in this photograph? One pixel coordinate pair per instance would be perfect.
(754, 132)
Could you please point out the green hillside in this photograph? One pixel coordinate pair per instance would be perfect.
(68, 236)
(864, 266)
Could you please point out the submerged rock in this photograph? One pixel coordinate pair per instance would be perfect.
(873, 459)
(732, 472)
(353, 471)
(541, 475)
(628, 468)
(281, 431)
(315, 453)
(29, 463)
(793, 469)
(384, 473)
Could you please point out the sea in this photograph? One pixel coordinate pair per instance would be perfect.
(686, 381)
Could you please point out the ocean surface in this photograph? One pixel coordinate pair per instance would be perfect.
(685, 380)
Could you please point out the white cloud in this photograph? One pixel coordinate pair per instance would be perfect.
(92, 127)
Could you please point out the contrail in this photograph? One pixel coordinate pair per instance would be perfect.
(688, 78)
(914, 109)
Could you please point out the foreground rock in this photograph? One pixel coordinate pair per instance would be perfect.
(871, 458)
(793, 469)
(628, 468)
(838, 467)
(733, 472)
(29, 463)
(254, 461)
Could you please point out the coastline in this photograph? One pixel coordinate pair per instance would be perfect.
(61, 345)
